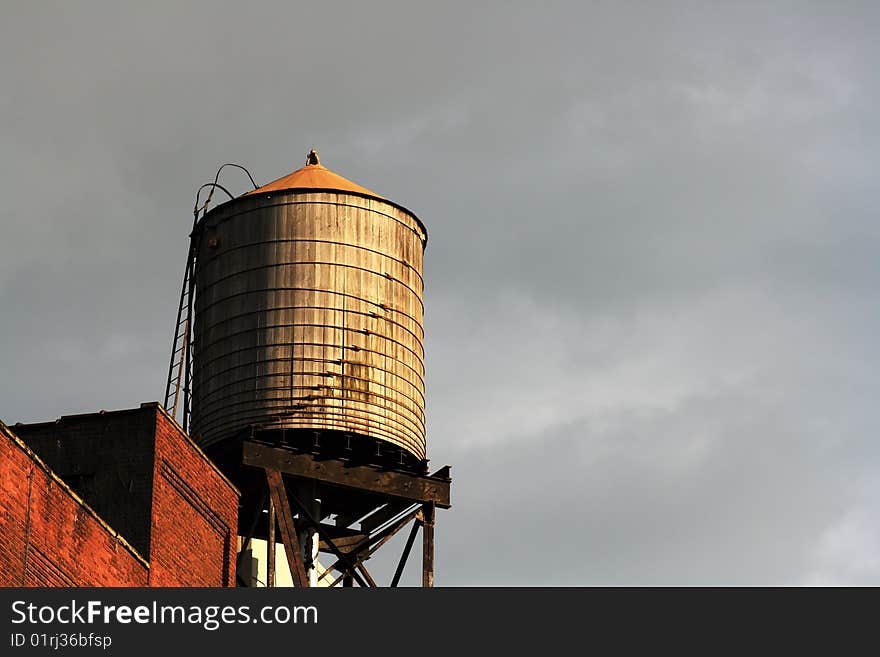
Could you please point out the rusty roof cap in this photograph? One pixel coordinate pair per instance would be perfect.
(314, 176)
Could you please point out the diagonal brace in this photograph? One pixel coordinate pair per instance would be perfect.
(379, 539)
(403, 557)
(304, 514)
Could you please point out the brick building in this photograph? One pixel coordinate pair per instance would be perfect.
(122, 498)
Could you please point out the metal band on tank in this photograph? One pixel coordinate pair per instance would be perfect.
(302, 190)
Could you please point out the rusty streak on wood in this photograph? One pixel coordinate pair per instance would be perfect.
(416, 488)
(405, 555)
(288, 530)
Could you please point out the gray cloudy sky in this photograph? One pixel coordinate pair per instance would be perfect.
(651, 279)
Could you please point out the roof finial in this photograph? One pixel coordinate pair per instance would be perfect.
(312, 157)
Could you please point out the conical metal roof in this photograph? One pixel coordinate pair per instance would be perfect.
(314, 176)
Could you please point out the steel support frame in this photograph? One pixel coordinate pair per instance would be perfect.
(291, 514)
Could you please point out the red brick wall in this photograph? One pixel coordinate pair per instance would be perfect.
(189, 511)
(194, 515)
(48, 536)
(107, 459)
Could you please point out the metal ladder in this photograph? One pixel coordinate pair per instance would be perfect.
(180, 368)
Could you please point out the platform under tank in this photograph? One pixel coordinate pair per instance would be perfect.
(309, 317)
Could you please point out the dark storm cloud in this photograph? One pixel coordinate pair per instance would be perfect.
(650, 298)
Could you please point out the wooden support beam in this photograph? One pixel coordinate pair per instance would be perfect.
(270, 548)
(402, 485)
(340, 556)
(344, 544)
(378, 540)
(278, 495)
(337, 533)
(406, 550)
(428, 545)
(366, 574)
(346, 579)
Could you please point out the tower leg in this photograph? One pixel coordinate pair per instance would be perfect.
(278, 495)
(270, 548)
(428, 545)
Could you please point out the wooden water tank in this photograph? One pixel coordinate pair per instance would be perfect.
(308, 313)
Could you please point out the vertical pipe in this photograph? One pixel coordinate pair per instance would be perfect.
(270, 547)
(428, 545)
(314, 547)
(307, 493)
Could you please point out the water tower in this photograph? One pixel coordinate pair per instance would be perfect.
(298, 366)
